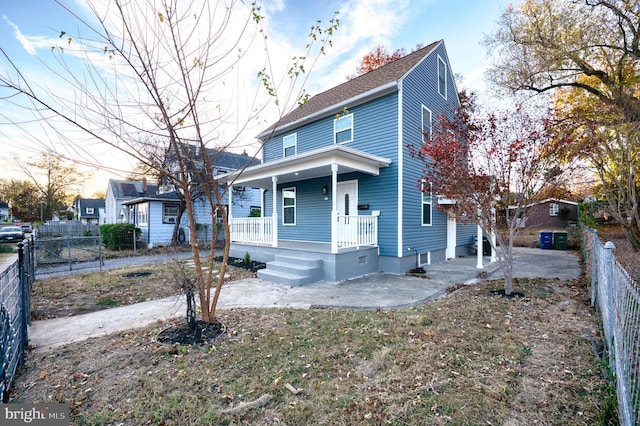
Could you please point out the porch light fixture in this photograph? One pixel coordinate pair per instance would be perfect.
(325, 190)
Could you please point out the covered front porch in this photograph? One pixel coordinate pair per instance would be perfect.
(310, 214)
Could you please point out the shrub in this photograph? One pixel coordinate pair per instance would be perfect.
(6, 249)
(118, 236)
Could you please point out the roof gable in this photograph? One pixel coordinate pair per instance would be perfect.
(370, 82)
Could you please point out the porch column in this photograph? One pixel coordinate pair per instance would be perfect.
(334, 208)
(479, 265)
(229, 208)
(274, 211)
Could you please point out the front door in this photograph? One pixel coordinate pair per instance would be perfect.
(347, 201)
(348, 198)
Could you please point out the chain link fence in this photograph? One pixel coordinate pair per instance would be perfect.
(64, 253)
(16, 279)
(617, 300)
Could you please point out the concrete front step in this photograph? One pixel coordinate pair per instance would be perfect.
(292, 271)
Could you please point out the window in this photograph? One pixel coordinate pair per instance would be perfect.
(343, 129)
(553, 209)
(89, 210)
(442, 77)
(142, 214)
(426, 203)
(169, 213)
(219, 213)
(289, 206)
(290, 144)
(426, 124)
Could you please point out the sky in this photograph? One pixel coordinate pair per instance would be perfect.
(27, 29)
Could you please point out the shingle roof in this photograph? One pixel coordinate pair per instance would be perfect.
(167, 196)
(130, 188)
(95, 203)
(386, 74)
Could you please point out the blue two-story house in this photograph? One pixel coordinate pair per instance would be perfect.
(341, 196)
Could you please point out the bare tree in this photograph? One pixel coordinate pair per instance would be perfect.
(160, 72)
(55, 179)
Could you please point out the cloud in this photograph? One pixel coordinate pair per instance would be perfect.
(22, 39)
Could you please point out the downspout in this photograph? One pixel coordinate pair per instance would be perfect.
(400, 170)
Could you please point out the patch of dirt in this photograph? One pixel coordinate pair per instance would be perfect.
(624, 253)
(201, 333)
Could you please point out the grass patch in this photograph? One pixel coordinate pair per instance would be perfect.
(469, 358)
(80, 293)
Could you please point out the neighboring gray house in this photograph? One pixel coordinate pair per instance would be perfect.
(119, 191)
(156, 214)
(4, 211)
(342, 196)
(90, 211)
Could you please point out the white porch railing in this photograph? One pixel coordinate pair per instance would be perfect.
(352, 231)
(357, 231)
(255, 230)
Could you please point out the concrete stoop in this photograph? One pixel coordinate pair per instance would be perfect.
(293, 271)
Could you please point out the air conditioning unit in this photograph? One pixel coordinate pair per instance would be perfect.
(170, 219)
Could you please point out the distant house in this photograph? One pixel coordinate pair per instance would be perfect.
(4, 211)
(119, 191)
(342, 196)
(156, 214)
(90, 211)
(549, 213)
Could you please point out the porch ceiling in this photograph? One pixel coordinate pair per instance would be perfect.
(308, 165)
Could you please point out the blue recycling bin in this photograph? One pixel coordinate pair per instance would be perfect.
(546, 240)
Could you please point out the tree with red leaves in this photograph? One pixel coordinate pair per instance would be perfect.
(489, 162)
(377, 57)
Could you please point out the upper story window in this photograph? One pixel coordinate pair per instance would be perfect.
(426, 124)
(554, 208)
(442, 77)
(290, 144)
(89, 210)
(289, 206)
(343, 129)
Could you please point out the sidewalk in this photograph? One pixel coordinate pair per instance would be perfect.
(380, 290)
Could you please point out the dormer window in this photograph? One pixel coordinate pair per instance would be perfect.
(89, 210)
(290, 144)
(343, 129)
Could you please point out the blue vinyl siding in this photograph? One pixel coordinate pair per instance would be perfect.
(465, 232)
(420, 88)
(375, 131)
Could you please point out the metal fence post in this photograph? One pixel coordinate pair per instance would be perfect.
(610, 303)
(24, 332)
(69, 251)
(594, 268)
